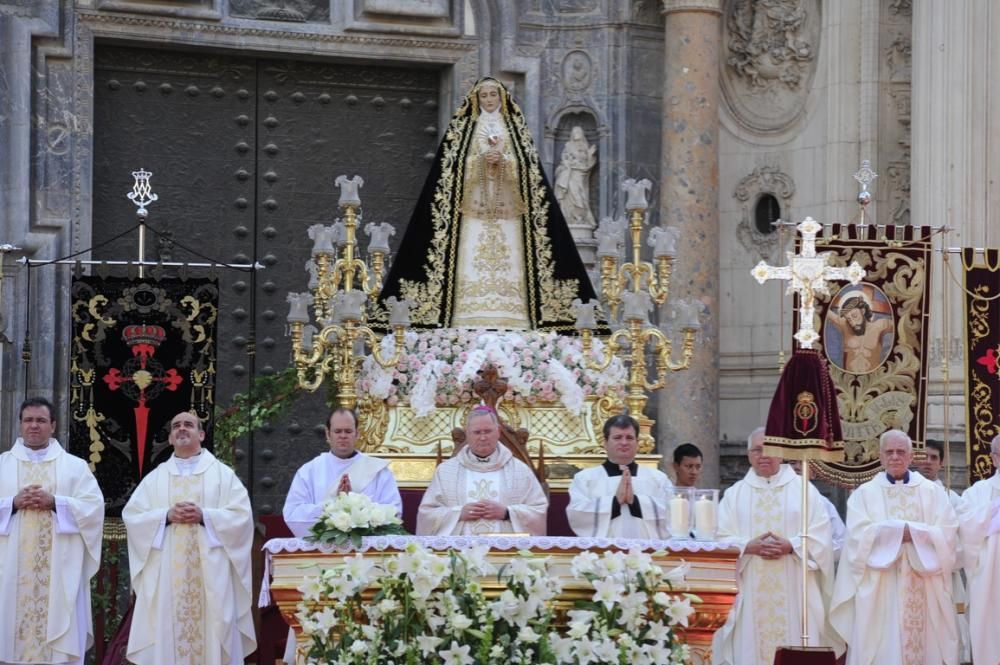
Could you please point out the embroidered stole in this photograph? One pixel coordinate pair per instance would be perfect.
(34, 567)
(770, 591)
(903, 503)
(189, 588)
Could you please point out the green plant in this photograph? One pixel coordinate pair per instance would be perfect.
(272, 396)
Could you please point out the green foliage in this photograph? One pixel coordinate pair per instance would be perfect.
(272, 396)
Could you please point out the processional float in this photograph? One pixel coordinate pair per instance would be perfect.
(333, 339)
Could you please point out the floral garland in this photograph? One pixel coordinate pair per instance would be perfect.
(430, 608)
(438, 368)
(350, 516)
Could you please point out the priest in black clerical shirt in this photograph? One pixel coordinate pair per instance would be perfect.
(619, 499)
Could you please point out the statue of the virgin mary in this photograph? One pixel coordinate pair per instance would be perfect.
(487, 245)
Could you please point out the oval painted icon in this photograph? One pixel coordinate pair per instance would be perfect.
(859, 330)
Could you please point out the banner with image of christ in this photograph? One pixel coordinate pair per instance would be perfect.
(873, 335)
(143, 351)
(982, 356)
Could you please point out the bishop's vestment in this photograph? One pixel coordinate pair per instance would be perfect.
(892, 600)
(594, 511)
(466, 478)
(317, 481)
(767, 612)
(48, 557)
(981, 546)
(191, 581)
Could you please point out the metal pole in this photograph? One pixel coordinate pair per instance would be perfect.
(805, 552)
(142, 246)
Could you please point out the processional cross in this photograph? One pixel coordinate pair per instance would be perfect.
(809, 274)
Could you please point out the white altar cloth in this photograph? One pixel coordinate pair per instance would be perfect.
(498, 542)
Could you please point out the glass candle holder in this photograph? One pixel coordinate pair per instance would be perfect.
(706, 513)
(680, 505)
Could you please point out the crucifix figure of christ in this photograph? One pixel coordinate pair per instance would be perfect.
(809, 274)
(803, 421)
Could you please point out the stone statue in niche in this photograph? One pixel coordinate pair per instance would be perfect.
(766, 44)
(573, 181)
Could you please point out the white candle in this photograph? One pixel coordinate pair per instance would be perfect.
(680, 517)
(704, 518)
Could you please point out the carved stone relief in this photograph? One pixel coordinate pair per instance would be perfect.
(895, 92)
(282, 10)
(414, 8)
(647, 11)
(577, 71)
(769, 59)
(901, 7)
(179, 8)
(575, 6)
(762, 180)
(898, 55)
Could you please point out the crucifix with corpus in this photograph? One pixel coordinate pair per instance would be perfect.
(803, 422)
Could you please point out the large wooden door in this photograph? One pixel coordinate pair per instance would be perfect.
(244, 152)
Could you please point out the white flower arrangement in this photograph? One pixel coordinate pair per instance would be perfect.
(438, 367)
(429, 608)
(350, 516)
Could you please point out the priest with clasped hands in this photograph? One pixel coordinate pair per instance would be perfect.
(980, 533)
(342, 469)
(763, 514)
(190, 530)
(892, 601)
(483, 489)
(618, 499)
(51, 517)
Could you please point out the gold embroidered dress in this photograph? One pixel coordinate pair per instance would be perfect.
(892, 601)
(490, 288)
(466, 478)
(47, 557)
(192, 581)
(767, 612)
(487, 244)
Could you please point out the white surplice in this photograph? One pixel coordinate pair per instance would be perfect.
(192, 581)
(592, 503)
(892, 601)
(317, 480)
(958, 591)
(466, 478)
(48, 558)
(981, 546)
(767, 612)
(837, 527)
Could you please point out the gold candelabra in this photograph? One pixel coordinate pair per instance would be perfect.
(334, 345)
(638, 285)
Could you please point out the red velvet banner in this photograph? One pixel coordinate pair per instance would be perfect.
(873, 336)
(982, 343)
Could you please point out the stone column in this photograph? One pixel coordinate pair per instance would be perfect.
(689, 199)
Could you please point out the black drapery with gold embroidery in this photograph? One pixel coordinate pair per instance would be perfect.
(425, 267)
(982, 358)
(874, 337)
(143, 351)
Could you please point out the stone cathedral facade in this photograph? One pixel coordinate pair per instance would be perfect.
(245, 111)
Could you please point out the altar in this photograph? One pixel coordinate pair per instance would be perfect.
(711, 572)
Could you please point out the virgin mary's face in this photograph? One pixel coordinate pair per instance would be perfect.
(489, 98)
